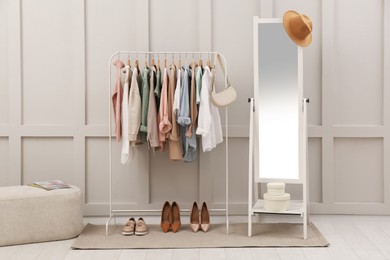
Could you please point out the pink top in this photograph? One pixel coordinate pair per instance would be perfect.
(117, 97)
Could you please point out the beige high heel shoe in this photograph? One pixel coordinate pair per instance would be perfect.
(204, 218)
(195, 218)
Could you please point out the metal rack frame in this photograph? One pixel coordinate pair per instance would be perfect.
(114, 212)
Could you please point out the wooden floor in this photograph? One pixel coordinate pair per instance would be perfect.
(350, 237)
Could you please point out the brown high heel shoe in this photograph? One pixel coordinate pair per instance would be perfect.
(176, 223)
(166, 217)
(204, 218)
(195, 218)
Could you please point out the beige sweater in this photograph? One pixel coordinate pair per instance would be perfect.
(165, 125)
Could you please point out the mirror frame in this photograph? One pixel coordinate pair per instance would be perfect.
(301, 124)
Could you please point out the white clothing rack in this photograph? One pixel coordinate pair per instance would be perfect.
(114, 212)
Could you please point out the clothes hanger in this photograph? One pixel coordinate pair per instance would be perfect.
(200, 63)
(209, 61)
(180, 61)
(158, 62)
(146, 61)
(128, 62)
(152, 60)
(165, 61)
(193, 64)
(137, 63)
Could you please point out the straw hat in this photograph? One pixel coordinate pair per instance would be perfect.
(298, 27)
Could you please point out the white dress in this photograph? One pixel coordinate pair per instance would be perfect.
(209, 121)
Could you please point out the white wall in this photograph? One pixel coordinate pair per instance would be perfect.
(54, 98)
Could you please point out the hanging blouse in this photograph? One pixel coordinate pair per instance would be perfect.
(134, 108)
(199, 72)
(164, 124)
(117, 99)
(125, 117)
(190, 133)
(209, 122)
(193, 107)
(176, 99)
(174, 142)
(152, 135)
(144, 104)
(157, 89)
(184, 119)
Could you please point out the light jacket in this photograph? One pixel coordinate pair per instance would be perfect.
(134, 107)
(164, 124)
(117, 99)
(190, 133)
(152, 135)
(175, 152)
(184, 113)
(144, 104)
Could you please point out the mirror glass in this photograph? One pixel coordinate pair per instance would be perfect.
(278, 103)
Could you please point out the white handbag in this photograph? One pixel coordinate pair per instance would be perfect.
(229, 94)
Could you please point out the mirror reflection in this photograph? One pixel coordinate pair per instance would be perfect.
(278, 103)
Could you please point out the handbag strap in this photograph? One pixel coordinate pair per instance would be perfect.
(223, 65)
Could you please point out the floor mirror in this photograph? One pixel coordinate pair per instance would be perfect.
(278, 112)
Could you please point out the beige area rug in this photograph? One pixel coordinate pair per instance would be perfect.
(264, 235)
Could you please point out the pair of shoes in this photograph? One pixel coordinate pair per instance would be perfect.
(199, 219)
(170, 217)
(138, 228)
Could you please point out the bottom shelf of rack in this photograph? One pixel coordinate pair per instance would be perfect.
(296, 208)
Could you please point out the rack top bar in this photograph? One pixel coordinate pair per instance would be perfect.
(166, 53)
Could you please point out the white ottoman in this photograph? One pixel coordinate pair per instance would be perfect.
(29, 214)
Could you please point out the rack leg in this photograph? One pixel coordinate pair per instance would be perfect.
(250, 170)
(227, 222)
(108, 222)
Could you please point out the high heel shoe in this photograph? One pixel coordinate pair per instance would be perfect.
(205, 218)
(166, 217)
(176, 223)
(195, 218)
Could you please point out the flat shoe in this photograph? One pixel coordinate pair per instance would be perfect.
(141, 228)
(129, 228)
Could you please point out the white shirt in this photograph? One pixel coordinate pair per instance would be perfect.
(209, 121)
(125, 118)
